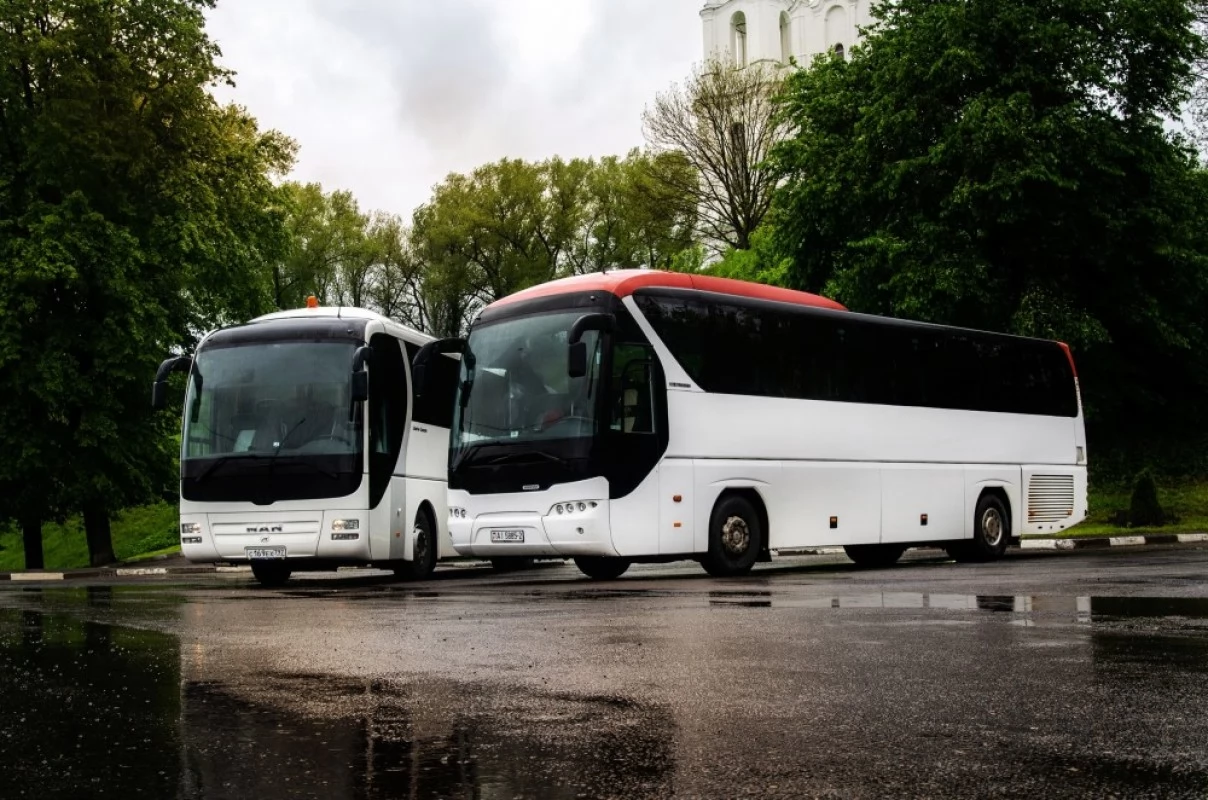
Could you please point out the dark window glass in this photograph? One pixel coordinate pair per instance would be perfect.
(387, 413)
(435, 406)
(771, 350)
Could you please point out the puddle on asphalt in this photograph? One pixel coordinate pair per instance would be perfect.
(94, 710)
(1084, 608)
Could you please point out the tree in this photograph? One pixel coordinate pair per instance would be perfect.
(135, 212)
(723, 123)
(512, 224)
(1004, 164)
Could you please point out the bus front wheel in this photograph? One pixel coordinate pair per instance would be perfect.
(600, 568)
(735, 537)
(271, 574)
(991, 532)
(423, 553)
(874, 555)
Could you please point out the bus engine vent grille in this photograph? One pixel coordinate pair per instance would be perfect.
(1050, 498)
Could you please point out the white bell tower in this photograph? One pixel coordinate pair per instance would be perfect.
(749, 31)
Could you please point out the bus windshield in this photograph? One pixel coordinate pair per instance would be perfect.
(276, 399)
(515, 387)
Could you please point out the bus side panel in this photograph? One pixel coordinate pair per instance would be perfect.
(677, 532)
(920, 502)
(413, 494)
(381, 522)
(809, 494)
(633, 519)
(978, 478)
(427, 452)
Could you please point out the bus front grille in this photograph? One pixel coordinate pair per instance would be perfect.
(1050, 498)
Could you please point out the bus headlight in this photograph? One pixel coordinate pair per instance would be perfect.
(457, 513)
(190, 528)
(575, 507)
(345, 524)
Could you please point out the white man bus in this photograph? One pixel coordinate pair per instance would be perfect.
(303, 447)
(640, 416)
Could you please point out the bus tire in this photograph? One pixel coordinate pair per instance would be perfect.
(735, 537)
(991, 533)
(874, 555)
(602, 568)
(423, 550)
(271, 574)
(512, 563)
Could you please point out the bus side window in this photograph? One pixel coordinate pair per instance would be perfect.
(633, 399)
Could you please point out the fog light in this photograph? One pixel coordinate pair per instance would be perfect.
(190, 540)
(345, 537)
(346, 525)
(190, 528)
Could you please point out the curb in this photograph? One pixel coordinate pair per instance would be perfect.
(39, 576)
(1113, 541)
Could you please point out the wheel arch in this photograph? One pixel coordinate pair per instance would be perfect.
(751, 495)
(999, 491)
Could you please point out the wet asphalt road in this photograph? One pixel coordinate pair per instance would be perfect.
(1079, 674)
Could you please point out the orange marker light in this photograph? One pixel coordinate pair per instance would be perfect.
(312, 302)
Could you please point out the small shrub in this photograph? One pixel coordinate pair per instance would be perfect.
(1145, 511)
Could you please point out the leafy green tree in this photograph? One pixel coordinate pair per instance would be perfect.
(1005, 164)
(513, 224)
(135, 212)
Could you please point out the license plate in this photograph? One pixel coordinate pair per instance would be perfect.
(264, 553)
(507, 536)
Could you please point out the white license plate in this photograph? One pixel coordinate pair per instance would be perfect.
(264, 553)
(507, 536)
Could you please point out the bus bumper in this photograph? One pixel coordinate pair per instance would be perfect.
(566, 520)
(209, 538)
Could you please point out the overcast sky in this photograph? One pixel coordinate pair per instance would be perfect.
(386, 97)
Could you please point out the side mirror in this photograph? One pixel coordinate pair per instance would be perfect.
(159, 396)
(360, 378)
(419, 365)
(576, 361)
(576, 356)
(159, 389)
(360, 386)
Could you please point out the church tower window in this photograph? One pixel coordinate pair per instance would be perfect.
(786, 37)
(738, 38)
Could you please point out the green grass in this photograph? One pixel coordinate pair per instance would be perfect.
(137, 533)
(1186, 502)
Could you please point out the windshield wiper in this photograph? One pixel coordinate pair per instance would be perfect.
(519, 457)
(224, 460)
(475, 448)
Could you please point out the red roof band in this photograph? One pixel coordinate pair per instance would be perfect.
(625, 282)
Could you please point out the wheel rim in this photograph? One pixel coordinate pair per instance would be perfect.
(421, 544)
(992, 527)
(735, 536)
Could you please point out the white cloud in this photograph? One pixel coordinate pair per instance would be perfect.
(387, 97)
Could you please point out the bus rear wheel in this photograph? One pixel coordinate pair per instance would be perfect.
(271, 574)
(991, 533)
(423, 553)
(601, 568)
(874, 555)
(735, 538)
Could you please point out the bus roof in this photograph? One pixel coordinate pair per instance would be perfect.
(625, 282)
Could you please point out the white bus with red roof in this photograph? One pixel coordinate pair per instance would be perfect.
(641, 416)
